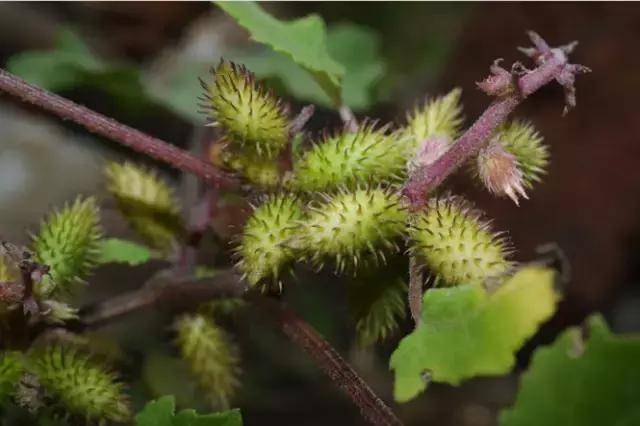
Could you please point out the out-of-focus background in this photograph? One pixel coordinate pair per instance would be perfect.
(137, 62)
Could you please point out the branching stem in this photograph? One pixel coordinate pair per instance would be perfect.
(510, 88)
(113, 130)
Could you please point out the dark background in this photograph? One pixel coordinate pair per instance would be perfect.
(588, 203)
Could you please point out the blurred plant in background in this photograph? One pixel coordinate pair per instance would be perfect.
(334, 204)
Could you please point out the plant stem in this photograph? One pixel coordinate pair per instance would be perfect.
(372, 408)
(111, 129)
(552, 64)
(416, 282)
(166, 291)
(163, 290)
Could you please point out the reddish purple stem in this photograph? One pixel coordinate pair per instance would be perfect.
(111, 129)
(552, 64)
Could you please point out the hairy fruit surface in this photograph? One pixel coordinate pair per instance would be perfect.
(248, 114)
(456, 245)
(350, 224)
(352, 158)
(82, 387)
(11, 369)
(68, 242)
(441, 116)
(264, 244)
(147, 202)
(520, 139)
(211, 357)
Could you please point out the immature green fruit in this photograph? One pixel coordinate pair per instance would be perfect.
(260, 171)
(249, 115)
(11, 369)
(381, 308)
(512, 161)
(68, 242)
(55, 312)
(7, 273)
(520, 139)
(457, 246)
(352, 158)
(211, 356)
(348, 225)
(82, 387)
(499, 172)
(264, 244)
(441, 117)
(147, 202)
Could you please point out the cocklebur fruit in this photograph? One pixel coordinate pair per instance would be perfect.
(369, 154)
(350, 225)
(512, 161)
(211, 356)
(147, 202)
(248, 115)
(440, 116)
(11, 369)
(457, 245)
(257, 170)
(381, 306)
(7, 273)
(81, 386)
(68, 243)
(499, 172)
(55, 312)
(520, 139)
(263, 248)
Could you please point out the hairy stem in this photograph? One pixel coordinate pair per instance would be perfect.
(168, 292)
(163, 290)
(113, 130)
(372, 408)
(510, 90)
(416, 282)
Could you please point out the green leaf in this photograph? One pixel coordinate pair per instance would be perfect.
(354, 46)
(157, 413)
(304, 40)
(466, 331)
(115, 250)
(578, 383)
(58, 69)
(357, 48)
(70, 64)
(161, 413)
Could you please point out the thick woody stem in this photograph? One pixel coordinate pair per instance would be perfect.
(113, 130)
(511, 88)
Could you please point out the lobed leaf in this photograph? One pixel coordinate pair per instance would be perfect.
(161, 412)
(467, 332)
(115, 250)
(304, 40)
(581, 383)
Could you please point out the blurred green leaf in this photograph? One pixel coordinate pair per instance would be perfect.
(71, 65)
(58, 69)
(304, 40)
(466, 331)
(161, 413)
(578, 383)
(115, 250)
(179, 91)
(179, 383)
(354, 46)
